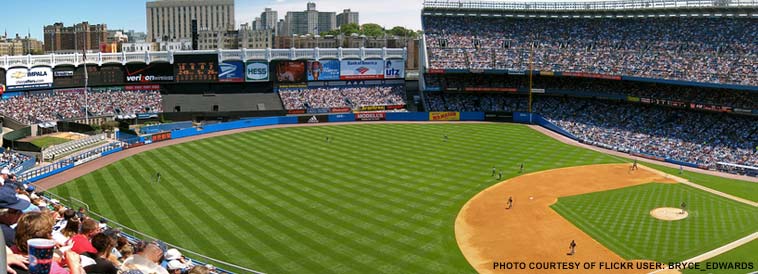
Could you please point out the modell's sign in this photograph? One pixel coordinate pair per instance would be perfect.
(34, 78)
(370, 116)
(155, 72)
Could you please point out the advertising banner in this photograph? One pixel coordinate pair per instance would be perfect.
(370, 116)
(484, 89)
(372, 108)
(63, 73)
(591, 75)
(256, 71)
(444, 116)
(361, 69)
(323, 70)
(152, 73)
(394, 107)
(340, 110)
(498, 116)
(394, 69)
(196, 68)
(296, 111)
(312, 119)
(232, 72)
(290, 71)
(23, 78)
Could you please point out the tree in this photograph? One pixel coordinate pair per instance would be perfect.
(372, 30)
(399, 31)
(351, 28)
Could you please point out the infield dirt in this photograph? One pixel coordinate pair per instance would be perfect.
(531, 232)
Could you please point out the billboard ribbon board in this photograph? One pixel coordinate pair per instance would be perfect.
(23, 78)
(323, 70)
(256, 71)
(361, 69)
(394, 69)
(445, 116)
(231, 72)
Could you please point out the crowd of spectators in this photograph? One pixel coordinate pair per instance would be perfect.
(65, 104)
(689, 94)
(717, 50)
(703, 138)
(86, 245)
(10, 159)
(352, 97)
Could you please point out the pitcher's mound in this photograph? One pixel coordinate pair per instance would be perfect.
(669, 213)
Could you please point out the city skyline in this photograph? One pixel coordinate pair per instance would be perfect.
(388, 13)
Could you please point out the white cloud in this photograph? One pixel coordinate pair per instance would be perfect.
(388, 13)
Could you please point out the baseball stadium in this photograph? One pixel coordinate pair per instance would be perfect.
(513, 137)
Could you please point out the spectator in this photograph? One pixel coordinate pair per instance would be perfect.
(147, 258)
(81, 242)
(352, 97)
(11, 209)
(39, 225)
(61, 237)
(103, 244)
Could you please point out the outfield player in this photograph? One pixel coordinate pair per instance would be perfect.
(521, 169)
(683, 206)
(445, 137)
(493, 172)
(681, 169)
(634, 165)
(157, 177)
(500, 175)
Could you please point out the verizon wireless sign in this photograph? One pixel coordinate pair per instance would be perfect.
(152, 73)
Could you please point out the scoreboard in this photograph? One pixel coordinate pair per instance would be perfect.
(196, 68)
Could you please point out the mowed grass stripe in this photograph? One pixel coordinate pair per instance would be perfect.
(379, 198)
(345, 224)
(289, 206)
(224, 227)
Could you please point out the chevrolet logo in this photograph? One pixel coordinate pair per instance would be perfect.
(18, 75)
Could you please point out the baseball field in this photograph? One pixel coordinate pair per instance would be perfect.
(375, 197)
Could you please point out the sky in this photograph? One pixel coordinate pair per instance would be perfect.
(20, 16)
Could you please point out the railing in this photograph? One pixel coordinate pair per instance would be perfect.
(77, 59)
(586, 6)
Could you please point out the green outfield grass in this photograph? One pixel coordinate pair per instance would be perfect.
(380, 198)
(47, 141)
(620, 220)
(739, 188)
(743, 254)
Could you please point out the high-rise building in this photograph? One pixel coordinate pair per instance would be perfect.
(347, 17)
(254, 39)
(309, 21)
(62, 39)
(171, 20)
(269, 18)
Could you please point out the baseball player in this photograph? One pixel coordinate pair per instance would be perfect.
(683, 206)
(572, 248)
(493, 172)
(510, 202)
(157, 177)
(681, 170)
(445, 137)
(500, 175)
(521, 169)
(634, 166)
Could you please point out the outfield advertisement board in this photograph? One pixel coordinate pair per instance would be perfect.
(256, 71)
(394, 69)
(444, 116)
(312, 119)
(323, 70)
(290, 71)
(361, 69)
(34, 78)
(152, 73)
(370, 116)
(232, 72)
